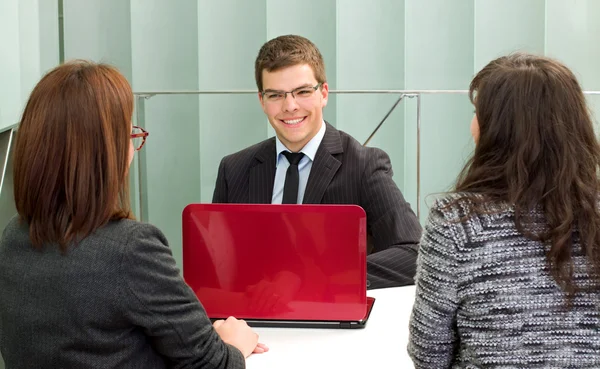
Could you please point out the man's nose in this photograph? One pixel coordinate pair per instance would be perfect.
(289, 102)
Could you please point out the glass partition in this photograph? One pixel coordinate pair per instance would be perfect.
(426, 134)
(190, 132)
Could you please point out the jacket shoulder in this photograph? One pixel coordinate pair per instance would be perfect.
(353, 147)
(247, 154)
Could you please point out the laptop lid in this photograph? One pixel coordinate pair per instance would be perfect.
(272, 264)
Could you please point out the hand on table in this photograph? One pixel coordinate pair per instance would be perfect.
(238, 334)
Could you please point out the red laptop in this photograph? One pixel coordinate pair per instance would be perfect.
(278, 265)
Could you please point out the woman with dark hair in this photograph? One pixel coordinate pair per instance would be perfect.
(82, 284)
(508, 273)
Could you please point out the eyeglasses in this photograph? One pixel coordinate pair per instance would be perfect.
(138, 135)
(300, 93)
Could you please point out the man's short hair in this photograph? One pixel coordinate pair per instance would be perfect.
(286, 51)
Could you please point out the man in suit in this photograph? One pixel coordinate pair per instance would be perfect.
(311, 162)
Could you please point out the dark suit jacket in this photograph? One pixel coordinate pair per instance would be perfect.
(343, 172)
(116, 300)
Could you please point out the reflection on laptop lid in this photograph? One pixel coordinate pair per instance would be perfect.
(278, 265)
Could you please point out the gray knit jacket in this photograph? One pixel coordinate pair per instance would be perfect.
(485, 298)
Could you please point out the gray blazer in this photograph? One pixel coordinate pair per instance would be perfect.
(344, 172)
(116, 300)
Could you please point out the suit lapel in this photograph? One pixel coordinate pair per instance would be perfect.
(324, 166)
(262, 175)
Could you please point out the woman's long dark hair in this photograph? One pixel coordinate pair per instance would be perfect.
(537, 149)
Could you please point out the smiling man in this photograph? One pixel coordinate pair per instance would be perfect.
(311, 162)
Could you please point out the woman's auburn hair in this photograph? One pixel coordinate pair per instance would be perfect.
(71, 155)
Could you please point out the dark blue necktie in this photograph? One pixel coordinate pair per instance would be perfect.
(292, 178)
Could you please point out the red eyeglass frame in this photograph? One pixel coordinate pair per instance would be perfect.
(143, 135)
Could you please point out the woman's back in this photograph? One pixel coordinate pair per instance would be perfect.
(84, 285)
(115, 300)
(509, 310)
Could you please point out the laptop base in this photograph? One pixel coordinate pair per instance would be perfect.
(316, 324)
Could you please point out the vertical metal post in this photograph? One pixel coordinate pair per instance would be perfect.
(419, 156)
(143, 216)
(7, 156)
(61, 32)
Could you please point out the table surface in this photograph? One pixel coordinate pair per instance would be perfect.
(381, 344)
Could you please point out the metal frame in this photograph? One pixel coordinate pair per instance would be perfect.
(142, 169)
(141, 96)
(399, 92)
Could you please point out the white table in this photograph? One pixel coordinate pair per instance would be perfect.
(381, 344)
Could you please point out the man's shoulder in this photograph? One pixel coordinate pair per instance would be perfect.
(353, 147)
(249, 153)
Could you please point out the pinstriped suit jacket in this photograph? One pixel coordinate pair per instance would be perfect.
(343, 172)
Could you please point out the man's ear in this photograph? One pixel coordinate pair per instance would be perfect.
(261, 100)
(324, 94)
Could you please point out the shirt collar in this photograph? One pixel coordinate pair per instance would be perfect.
(310, 149)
